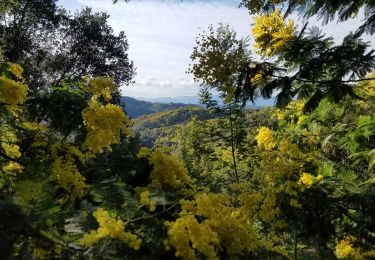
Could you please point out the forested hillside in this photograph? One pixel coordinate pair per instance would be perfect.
(135, 108)
(156, 126)
(160, 129)
(294, 181)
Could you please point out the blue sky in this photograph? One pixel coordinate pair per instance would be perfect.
(161, 36)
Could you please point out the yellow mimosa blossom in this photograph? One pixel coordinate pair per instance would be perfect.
(344, 248)
(306, 179)
(65, 170)
(12, 150)
(186, 234)
(296, 106)
(110, 227)
(34, 126)
(256, 78)
(99, 86)
(265, 138)
(269, 210)
(209, 224)
(272, 33)
(167, 170)
(69, 177)
(301, 119)
(279, 114)
(144, 199)
(41, 253)
(104, 124)
(144, 152)
(13, 167)
(366, 88)
(9, 142)
(12, 93)
(16, 70)
(291, 113)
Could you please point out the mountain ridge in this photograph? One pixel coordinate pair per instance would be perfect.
(136, 108)
(140, 106)
(194, 100)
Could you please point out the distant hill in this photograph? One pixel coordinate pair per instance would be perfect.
(260, 102)
(154, 126)
(194, 100)
(136, 108)
(161, 128)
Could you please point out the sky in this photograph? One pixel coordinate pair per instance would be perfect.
(161, 36)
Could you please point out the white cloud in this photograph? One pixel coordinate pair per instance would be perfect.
(152, 87)
(162, 34)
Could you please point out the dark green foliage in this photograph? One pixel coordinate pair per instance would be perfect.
(55, 47)
(319, 69)
(13, 226)
(90, 48)
(51, 108)
(218, 59)
(20, 25)
(311, 66)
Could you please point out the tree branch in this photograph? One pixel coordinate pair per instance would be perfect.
(321, 82)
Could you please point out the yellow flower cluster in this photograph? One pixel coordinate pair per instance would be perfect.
(12, 93)
(225, 155)
(67, 149)
(13, 167)
(41, 253)
(308, 180)
(110, 227)
(366, 88)
(207, 225)
(269, 209)
(265, 138)
(271, 33)
(168, 171)
(12, 150)
(283, 176)
(144, 152)
(16, 70)
(99, 86)
(66, 172)
(104, 124)
(291, 113)
(250, 202)
(256, 78)
(344, 248)
(8, 141)
(188, 236)
(144, 199)
(69, 177)
(34, 126)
